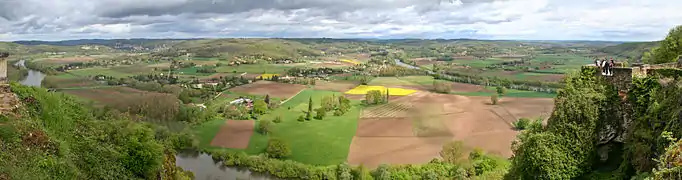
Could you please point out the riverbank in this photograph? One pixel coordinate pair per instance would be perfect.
(16, 72)
(234, 165)
(32, 77)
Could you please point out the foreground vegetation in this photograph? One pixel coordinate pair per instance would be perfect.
(54, 136)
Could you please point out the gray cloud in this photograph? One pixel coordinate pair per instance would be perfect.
(506, 19)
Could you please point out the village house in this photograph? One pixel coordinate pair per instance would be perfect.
(242, 101)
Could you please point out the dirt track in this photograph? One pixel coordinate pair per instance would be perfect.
(452, 117)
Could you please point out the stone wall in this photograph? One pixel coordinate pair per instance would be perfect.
(621, 78)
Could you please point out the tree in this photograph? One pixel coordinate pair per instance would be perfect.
(264, 126)
(278, 119)
(453, 152)
(493, 99)
(327, 103)
(532, 158)
(184, 97)
(387, 95)
(267, 99)
(501, 90)
(320, 113)
(382, 173)
(309, 114)
(441, 87)
(374, 97)
(260, 107)
(670, 163)
(668, 50)
(344, 172)
(277, 148)
(522, 124)
(569, 138)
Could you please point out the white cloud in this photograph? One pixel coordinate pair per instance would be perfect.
(492, 19)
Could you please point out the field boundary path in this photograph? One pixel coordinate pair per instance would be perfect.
(299, 92)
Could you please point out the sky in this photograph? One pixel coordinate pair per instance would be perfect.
(610, 20)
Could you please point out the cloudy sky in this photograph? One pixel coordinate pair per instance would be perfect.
(618, 20)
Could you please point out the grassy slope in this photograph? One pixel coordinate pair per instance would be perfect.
(70, 129)
(320, 142)
(237, 47)
(634, 50)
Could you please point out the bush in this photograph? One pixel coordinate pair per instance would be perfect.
(493, 99)
(441, 87)
(483, 164)
(301, 118)
(382, 172)
(362, 173)
(278, 119)
(277, 148)
(287, 169)
(501, 90)
(264, 126)
(521, 124)
(452, 152)
(320, 113)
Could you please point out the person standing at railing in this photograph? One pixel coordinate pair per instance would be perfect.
(612, 63)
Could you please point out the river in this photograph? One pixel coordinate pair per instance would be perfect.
(34, 78)
(204, 168)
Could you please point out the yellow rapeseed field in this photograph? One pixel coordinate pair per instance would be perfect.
(363, 89)
(350, 61)
(267, 76)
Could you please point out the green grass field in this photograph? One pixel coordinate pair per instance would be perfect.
(404, 80)
(321, 142)
(118, 72)
(191, 71)
(254, 68)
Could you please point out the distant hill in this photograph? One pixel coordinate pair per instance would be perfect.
(631, 50)
(104, 42)
(227, 48)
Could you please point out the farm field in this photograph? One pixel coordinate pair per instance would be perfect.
(118, 72)
(254, 68)
(66, 60)
(425, 83)
(409, 129)
(412, 129)
(322, 142)
(363, 89)
(107, 95)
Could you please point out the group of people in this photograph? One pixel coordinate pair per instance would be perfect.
(605, 66)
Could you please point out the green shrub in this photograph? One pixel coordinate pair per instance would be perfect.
(522, 124)
(264, 126)
(441, 87)
(452, 152)
(361, 173)
(501, 90)
(277, 148)
(483, 164)
(301, 118)
(320, 113)
(184, 140)
(382, 172)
